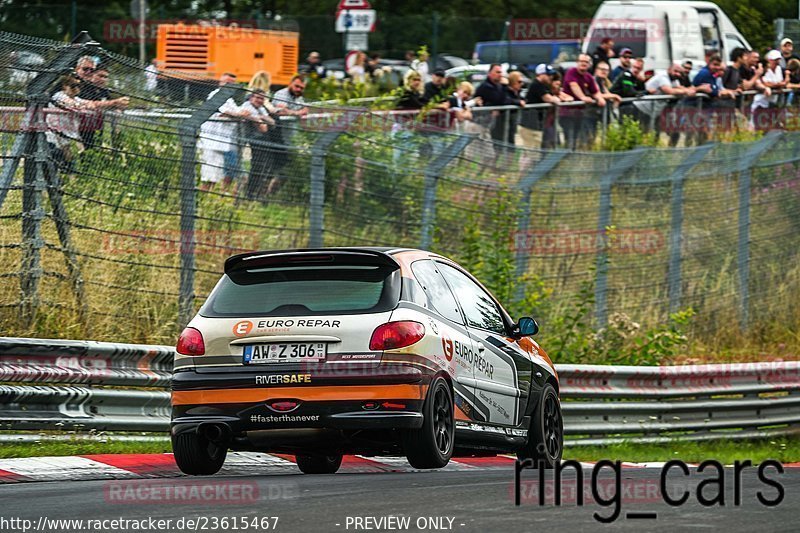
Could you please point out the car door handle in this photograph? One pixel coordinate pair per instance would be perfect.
(481, 348)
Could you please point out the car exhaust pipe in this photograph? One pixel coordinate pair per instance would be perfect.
(216, 432)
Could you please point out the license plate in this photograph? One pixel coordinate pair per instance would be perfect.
(293, 352)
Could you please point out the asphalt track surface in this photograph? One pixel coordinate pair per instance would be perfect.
(479, 500)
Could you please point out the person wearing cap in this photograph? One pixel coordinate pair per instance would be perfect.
(625, 56)
(773, 79)
(604, 52)
(540, 92)
(434, 89)
(787, 53)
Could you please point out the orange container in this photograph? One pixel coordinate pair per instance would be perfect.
(206, 50)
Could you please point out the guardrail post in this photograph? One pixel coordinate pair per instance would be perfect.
(676, 223)
(743, 255)
(188, 131)
(431, 181)
(534, 175)
(316, 215)
(620, 166)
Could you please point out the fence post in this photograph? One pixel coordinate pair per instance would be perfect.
(431, 180)
(316, 215)
(743, 254)
(620, 166)
(188, 131)
(535, 174)
(35, 150)
(676, 222)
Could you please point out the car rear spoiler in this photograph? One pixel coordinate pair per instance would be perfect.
(309, 256)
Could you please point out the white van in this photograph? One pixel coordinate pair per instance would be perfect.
(662, 32)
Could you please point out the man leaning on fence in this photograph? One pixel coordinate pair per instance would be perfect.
(581, 85)
(665, 84)
(95, 89)
(540, 119)
(493, 93)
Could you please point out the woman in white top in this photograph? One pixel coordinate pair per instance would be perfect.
(63, 122)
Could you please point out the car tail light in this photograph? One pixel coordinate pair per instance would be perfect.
(283, 406)
(396, 335)
(191, 342)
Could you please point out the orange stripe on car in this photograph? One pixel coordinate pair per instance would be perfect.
(354, 392)
(461, 415)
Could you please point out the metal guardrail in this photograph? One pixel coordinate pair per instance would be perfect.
(78, 386)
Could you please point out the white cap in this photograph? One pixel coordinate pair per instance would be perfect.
(786, 40)
(773, 55)
(543, 68)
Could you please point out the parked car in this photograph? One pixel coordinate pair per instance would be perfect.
(376, 351)
(527, 54)
(663, 32)
(475, 74)
(447, 61)
(394, 68)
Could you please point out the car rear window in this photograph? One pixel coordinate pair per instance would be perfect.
(305, 290)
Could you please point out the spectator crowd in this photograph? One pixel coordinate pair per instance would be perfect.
(554, 103)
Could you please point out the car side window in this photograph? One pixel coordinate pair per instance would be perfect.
(439, 295)
(479, 308)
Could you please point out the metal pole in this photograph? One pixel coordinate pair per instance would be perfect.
(32, 215)
(142, 28)
(36, 153)
(743, 252)
(188, 135)
(431, 180)
(316, 215)
(537, 172)
(676, 223)
(622, 165)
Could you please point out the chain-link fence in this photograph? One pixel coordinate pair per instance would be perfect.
(115, 217)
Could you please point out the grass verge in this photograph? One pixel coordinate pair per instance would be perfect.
(80, 447)
(783, 449)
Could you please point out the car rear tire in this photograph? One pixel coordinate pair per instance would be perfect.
(196, 455)
(431, 446)
(546, 434)
(319, 464)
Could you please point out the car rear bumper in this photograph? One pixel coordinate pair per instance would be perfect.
(372, 397)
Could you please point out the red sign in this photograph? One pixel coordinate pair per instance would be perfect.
(351, 4)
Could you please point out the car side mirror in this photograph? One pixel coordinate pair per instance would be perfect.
(527, 327)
